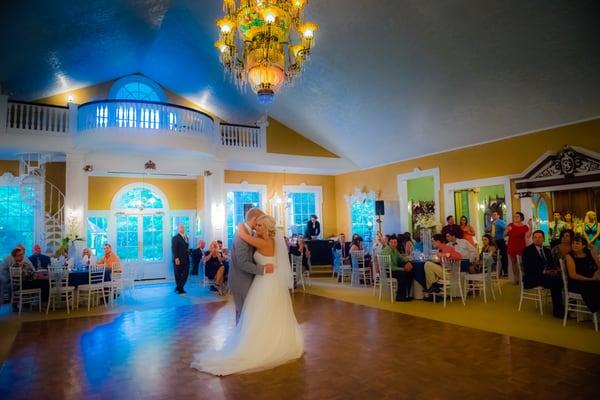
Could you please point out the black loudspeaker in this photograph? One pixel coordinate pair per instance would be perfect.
(379, 207)
(247, 206)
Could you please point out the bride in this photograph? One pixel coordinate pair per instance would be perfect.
(267, 334)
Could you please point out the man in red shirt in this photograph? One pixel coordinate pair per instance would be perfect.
(433, 270)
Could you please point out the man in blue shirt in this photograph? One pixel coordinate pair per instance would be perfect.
(39, 260)
(498, 228)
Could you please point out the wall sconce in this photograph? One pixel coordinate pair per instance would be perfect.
(150, 165)
(207, 173)
(70, 98)
(88, 168)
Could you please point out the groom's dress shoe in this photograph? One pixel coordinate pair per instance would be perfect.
(182, 291)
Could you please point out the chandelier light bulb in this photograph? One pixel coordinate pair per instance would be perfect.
(226, 28)
(308, 33)
(269, 18)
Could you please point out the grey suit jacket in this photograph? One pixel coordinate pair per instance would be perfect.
(242, 268)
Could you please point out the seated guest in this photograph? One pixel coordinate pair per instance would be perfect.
(560, 251)
(197, 255)
(584, 273)
(8, 262)
(433, 271)
(29, 278)
(109, 258)
(343, 247)
(214, 267)
(539, 269)
(488, 248)
(451, 227)
(356, 244)
(26, 260)
(313, 228)
(466, 249)
(87, 258)
(300, 249)
(380, 242)
(39, 260)
(224, 252)
(409, 244)
(401, 268)
(418, 244)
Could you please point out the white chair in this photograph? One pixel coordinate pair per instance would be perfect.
(533, 294)
(344, 271)
(297, 271)
(94, 288)
(376, 270)
(59, 289)
(450, 277)
(495, 275)
(359, 268)
(385, 276)
(574, 301)
(481, 280)
(128, 278)
(114, 287)
(20, 295)
(336, 262)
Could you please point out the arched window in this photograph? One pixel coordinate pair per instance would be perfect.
(140, 198)
(137, 87)
(363, 215)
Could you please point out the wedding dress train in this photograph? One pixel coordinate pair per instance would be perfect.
(267, 333)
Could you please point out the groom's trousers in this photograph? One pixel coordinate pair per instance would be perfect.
(181, 274)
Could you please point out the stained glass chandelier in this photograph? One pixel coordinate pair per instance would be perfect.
(264, 43)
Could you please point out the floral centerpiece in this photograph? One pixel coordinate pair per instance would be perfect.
(67, 244)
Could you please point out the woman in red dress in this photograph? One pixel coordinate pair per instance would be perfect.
(517, 233)
(467, 230)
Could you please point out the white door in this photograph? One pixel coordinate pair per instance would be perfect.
(141, 243)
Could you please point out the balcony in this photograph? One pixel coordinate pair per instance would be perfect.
(126, 123)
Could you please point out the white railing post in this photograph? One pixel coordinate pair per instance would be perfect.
(72, 118)
(3, 113)
(262, 140)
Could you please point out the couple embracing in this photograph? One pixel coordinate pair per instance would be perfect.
(267, 333)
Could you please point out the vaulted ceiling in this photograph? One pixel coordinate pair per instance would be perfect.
(388, 79)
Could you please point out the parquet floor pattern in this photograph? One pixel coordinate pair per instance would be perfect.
(352, 352)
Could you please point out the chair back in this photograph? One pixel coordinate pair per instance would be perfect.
(296, 264)
(58, 277)
(357, 259)
(487, 264)
(520, 265)
(563, 274)
(116, 272)
(96, 275)
(16, 279)
(385, 268)
(498, 262)
(337, 259)
(450, 267)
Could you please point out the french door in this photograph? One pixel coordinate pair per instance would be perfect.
(142, 243)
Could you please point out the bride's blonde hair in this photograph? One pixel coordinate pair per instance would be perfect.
(269, 223)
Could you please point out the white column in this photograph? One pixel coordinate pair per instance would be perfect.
(214, 203)
(76, 196)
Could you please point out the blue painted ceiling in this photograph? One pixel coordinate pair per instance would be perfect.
(388, 80)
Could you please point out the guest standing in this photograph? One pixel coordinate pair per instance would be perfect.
(39, 260)
(467, 231)
(584, 274)
(497, 233)
(555, 227)
(517, 233)
(539, 269)
(180, 249)
(590, 229)
(313, 228)
(402, 269)
(450, 227)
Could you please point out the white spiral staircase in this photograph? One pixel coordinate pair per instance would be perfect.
(45, 197)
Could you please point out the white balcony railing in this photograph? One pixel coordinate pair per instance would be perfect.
(22, 117)
(242, 137)
(106, 114)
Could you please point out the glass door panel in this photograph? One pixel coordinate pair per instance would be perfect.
(127, 237)
(152, 249)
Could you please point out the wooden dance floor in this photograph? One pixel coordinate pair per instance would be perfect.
(352, 352)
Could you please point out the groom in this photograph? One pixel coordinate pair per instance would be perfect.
(242, 266)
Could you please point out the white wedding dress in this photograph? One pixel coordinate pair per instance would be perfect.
(267, 334)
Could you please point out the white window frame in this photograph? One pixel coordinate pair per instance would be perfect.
(403, 194)
(304, 188)
(244, 186)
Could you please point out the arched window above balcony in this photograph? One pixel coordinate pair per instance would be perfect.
(137, 87)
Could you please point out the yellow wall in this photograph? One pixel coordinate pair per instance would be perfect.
(276, 181)
(501, 158)
(11, 166)
(181, 194)
(283, 140)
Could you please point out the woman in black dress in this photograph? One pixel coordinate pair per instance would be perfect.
(584, 274)
(214, 266)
